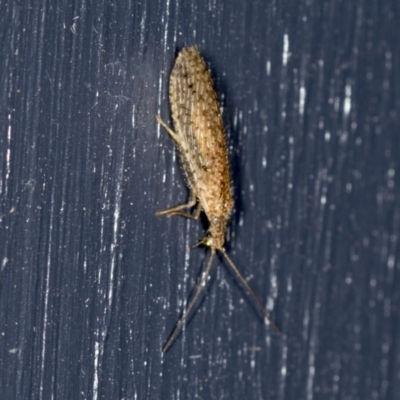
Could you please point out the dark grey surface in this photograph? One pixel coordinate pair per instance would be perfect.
(92, 282)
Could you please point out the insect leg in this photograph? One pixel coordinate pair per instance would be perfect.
(168, 129)
(189, 308)
(249, 289)
(176, 210)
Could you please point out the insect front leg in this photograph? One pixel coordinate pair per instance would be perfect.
(176, 210)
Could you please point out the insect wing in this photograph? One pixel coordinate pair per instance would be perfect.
(196, 116)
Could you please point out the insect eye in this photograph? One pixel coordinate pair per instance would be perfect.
(208, 242)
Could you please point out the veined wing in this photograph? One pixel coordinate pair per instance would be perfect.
(197, 120)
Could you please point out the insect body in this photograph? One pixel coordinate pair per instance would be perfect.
(198, 133)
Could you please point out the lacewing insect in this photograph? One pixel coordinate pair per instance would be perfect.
(199, 135)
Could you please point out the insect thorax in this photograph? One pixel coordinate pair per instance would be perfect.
(216, 233)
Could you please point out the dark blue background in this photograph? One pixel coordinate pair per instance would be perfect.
(92, 282)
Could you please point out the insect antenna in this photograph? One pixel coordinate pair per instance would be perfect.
(249, 289)
(189, 308)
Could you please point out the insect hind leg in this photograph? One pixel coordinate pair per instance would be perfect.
(168, 129)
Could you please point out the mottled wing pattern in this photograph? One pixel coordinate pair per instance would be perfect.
(198, 124)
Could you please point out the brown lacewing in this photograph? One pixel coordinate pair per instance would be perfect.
(199, 135)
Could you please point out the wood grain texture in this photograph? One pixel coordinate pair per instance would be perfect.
(92, 282)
